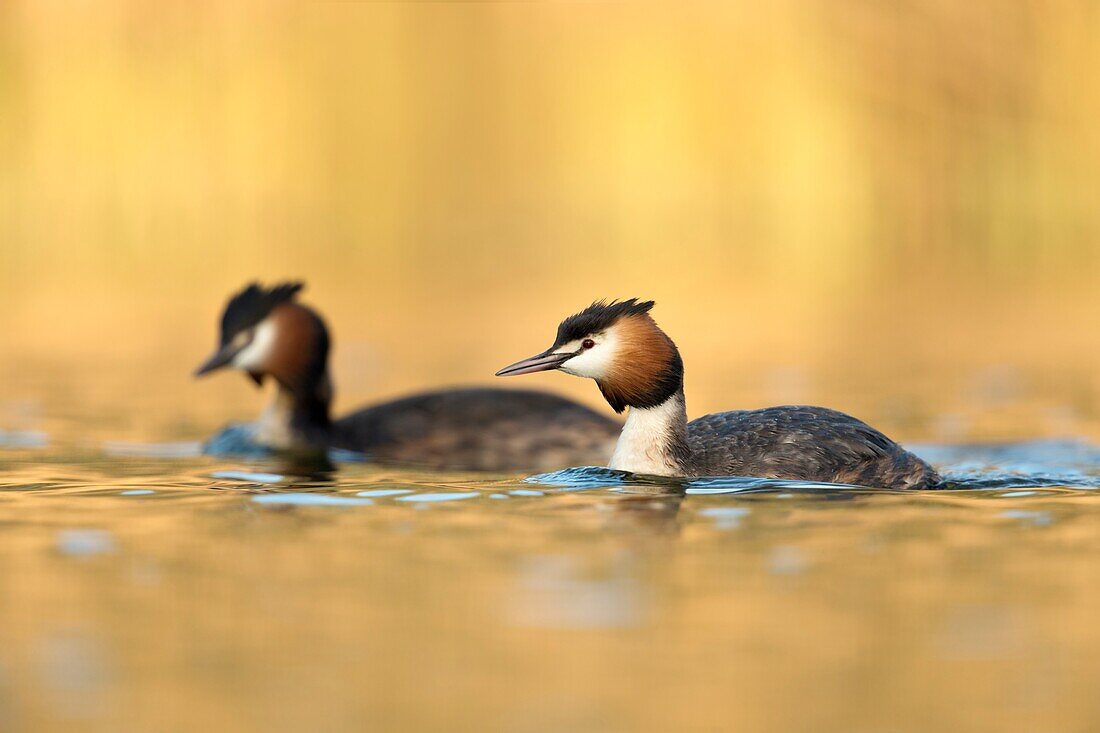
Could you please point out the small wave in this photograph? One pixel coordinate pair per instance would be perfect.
(304, 499)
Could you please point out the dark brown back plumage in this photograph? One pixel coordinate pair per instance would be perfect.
(803, 443)
(481, 429)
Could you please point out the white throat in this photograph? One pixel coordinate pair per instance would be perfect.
(645, 444)
(275, 426)
(281, 423)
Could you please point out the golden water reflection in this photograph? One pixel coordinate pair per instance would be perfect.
(178, 594)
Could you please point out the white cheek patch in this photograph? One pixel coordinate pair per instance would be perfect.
(594, 363)
(253, 358)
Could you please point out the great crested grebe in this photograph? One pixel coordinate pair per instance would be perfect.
(265, 332)
(637, 366)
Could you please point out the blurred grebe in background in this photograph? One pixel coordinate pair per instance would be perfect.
(637, 366)
(266, 332)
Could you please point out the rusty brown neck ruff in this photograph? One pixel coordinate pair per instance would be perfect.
(298, 414)
(646, 375)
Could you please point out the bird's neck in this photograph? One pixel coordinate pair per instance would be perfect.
(297, 417)
(654, 439)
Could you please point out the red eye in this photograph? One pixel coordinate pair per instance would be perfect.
(587, 344)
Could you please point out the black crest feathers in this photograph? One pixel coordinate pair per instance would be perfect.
(253, 304)
(598, 317)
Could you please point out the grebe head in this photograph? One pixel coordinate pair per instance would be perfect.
(264, 331)
(620, 346)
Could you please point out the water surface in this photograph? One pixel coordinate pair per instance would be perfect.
(148, 588)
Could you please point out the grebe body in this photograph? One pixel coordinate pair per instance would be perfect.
(267, 333)
(639, 369)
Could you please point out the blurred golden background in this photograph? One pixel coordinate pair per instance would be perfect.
(890, 208)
